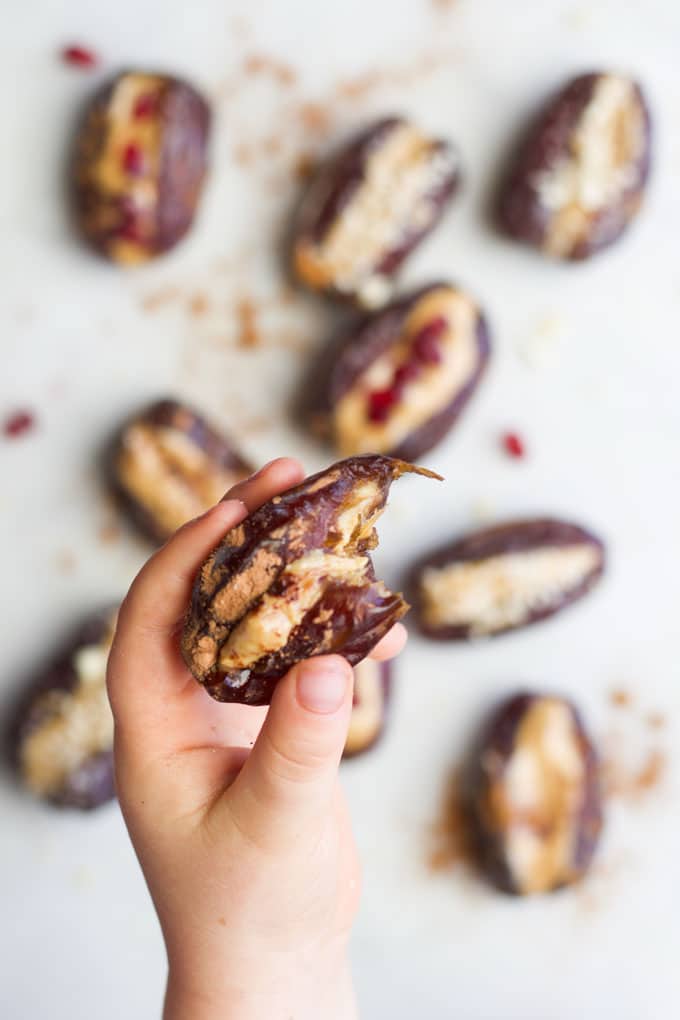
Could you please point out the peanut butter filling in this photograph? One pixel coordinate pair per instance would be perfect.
(425, 396)
(77, 723)
(392, 201)
(535, 804)
(503, 591)
(369, 706)
(602, 164)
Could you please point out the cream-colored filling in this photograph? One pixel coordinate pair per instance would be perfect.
(267, 628)
(368, 708)
(538, 798)
(502, 591)
(425, 396)
(169, 475)
(78, 724)
(357, 520)
(392, 200)
(601, 166)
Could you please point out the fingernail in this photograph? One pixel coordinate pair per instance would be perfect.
(321, 686)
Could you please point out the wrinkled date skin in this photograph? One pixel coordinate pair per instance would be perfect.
(372, 689)
(295, 579)
(579, 178)
(139, 163)
(405, 374)
(62, 733)
(167, 465)
(369, 206)
(533, 797)
(505, 577)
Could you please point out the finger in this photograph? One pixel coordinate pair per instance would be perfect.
(390, 645)
(288, 780)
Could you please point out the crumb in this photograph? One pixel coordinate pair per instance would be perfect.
(316, 119)
(272, 146)
(246, 314)
(633, 784)
(65, 561)
(243, 154)
(198, 304)
(156, 299)
(360, 86)
(448, 837)
(620, 698)
(258, 63)
(303, 166)
(656, 720)
(109, 533)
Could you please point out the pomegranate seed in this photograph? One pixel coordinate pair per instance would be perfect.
(145, 105)
(426, 343)
(78, 56)
(380, 403)
(407, 372)
(18, 423)
(133, 160)
(513, 445)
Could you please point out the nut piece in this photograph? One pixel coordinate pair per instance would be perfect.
(372, 683)
(139, 162)
(505, 577)
(404, 376)
(168, 466)
(63, 732)
(369, 206)
(295, 579)
(535, 800)
(580, 175)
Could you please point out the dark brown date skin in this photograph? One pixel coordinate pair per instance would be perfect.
(391, 223)
(295, 579)
(90, 783)
(576, 224)
(372, 690)
(397, 330)
(162, 486)
(139, 163)
(562, 819)
(515, 539)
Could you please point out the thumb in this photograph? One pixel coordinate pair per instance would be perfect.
(287, 782)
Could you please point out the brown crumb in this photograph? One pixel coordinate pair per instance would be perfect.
(65, 561)
(620, 697)
(633, 784)
(449, 835)
(304, 166)
(656, 720)
(361, 86)
(109, 533)
(272, 146)
(156, 299)
(259, 63)
(316, 118)
(244, 154)
(248, 333)
(198, 304)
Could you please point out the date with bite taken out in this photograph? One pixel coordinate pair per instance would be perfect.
(505, 577)
(369, 206)
(534, 796)
(139, 163)
(404, 374)
(579, 178)
(295, 579)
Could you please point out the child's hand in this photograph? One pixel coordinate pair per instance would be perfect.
(248, 855)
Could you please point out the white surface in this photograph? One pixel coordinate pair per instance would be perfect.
(600, 413)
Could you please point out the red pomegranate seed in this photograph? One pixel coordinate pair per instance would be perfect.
(407, 372)
(513, 445)
(79, 56)
(145, 105)
(18, 424)
(426, 343)
(133, 160)
(380, 403)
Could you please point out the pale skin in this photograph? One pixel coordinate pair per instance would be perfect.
(236, 813)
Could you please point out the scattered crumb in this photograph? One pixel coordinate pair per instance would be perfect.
(156, 299)
(272, 146)
(198, 304)
(259, 63)
(620, 697)
(65, 561)
(656, 720)
(248, 333)
(633, 783)
(108, 533)
(448, 838)
(244, 154)
(360, 86)
(316, 119)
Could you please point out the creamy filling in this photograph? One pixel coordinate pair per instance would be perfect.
(169, 475)
(78, 724)
(392, 201)
(601, 166)
(536, 802)
(503, 591)
(425, 396)
(368, 709)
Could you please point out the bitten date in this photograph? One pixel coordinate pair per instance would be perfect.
(405, 374)
(505, 577)
(579, 178)
(534, 797)
(168, 465)
(372, 686)
(369, 206)
(63, 733)
(139, 164)
(295, 579)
